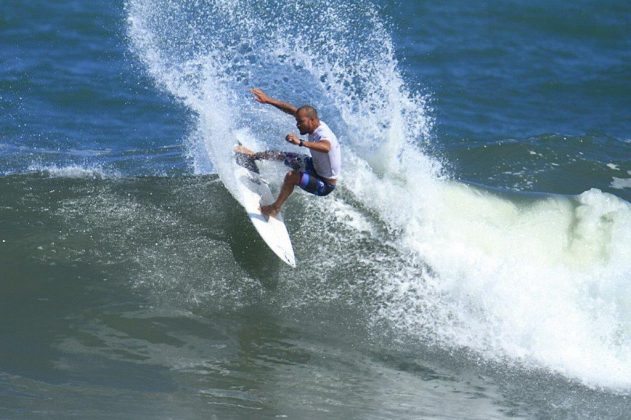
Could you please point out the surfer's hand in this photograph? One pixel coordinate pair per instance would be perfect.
(260, 96)
(292, 138)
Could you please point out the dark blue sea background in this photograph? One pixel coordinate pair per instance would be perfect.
(474, 262)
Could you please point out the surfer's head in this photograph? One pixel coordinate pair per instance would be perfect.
(307, 119)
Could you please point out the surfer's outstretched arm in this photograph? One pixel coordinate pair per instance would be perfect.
(262, 97)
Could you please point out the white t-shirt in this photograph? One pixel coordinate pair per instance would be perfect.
(327, 165)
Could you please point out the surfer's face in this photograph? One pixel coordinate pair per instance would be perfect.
(305, 124)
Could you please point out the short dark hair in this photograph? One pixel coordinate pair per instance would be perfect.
(310, 111)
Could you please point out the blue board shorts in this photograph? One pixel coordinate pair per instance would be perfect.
(310, 181)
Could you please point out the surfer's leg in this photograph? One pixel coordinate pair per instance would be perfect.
(243, 150)
(295, 161)
(291, 180)
(266, 155)
(269, 155)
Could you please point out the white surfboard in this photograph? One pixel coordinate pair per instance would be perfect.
(255, 192)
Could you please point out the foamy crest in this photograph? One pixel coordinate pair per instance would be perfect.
(540, 281)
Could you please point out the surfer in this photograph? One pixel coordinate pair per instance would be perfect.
(316, 174)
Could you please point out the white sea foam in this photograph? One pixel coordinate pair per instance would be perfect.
(540, 280)
(620, 183)
(73, 171)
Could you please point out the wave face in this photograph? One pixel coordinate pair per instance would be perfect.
(538, 280)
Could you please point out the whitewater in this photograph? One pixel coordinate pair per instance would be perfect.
(537, 281)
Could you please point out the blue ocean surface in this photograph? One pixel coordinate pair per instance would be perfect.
(473, 263)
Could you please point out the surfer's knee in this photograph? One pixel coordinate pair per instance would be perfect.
(292, 177)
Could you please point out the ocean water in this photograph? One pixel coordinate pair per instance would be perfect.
(473, 263)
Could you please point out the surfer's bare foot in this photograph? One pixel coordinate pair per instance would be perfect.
(244, 150)
(270, 210)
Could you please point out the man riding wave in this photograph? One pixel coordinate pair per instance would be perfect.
(316, 174)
